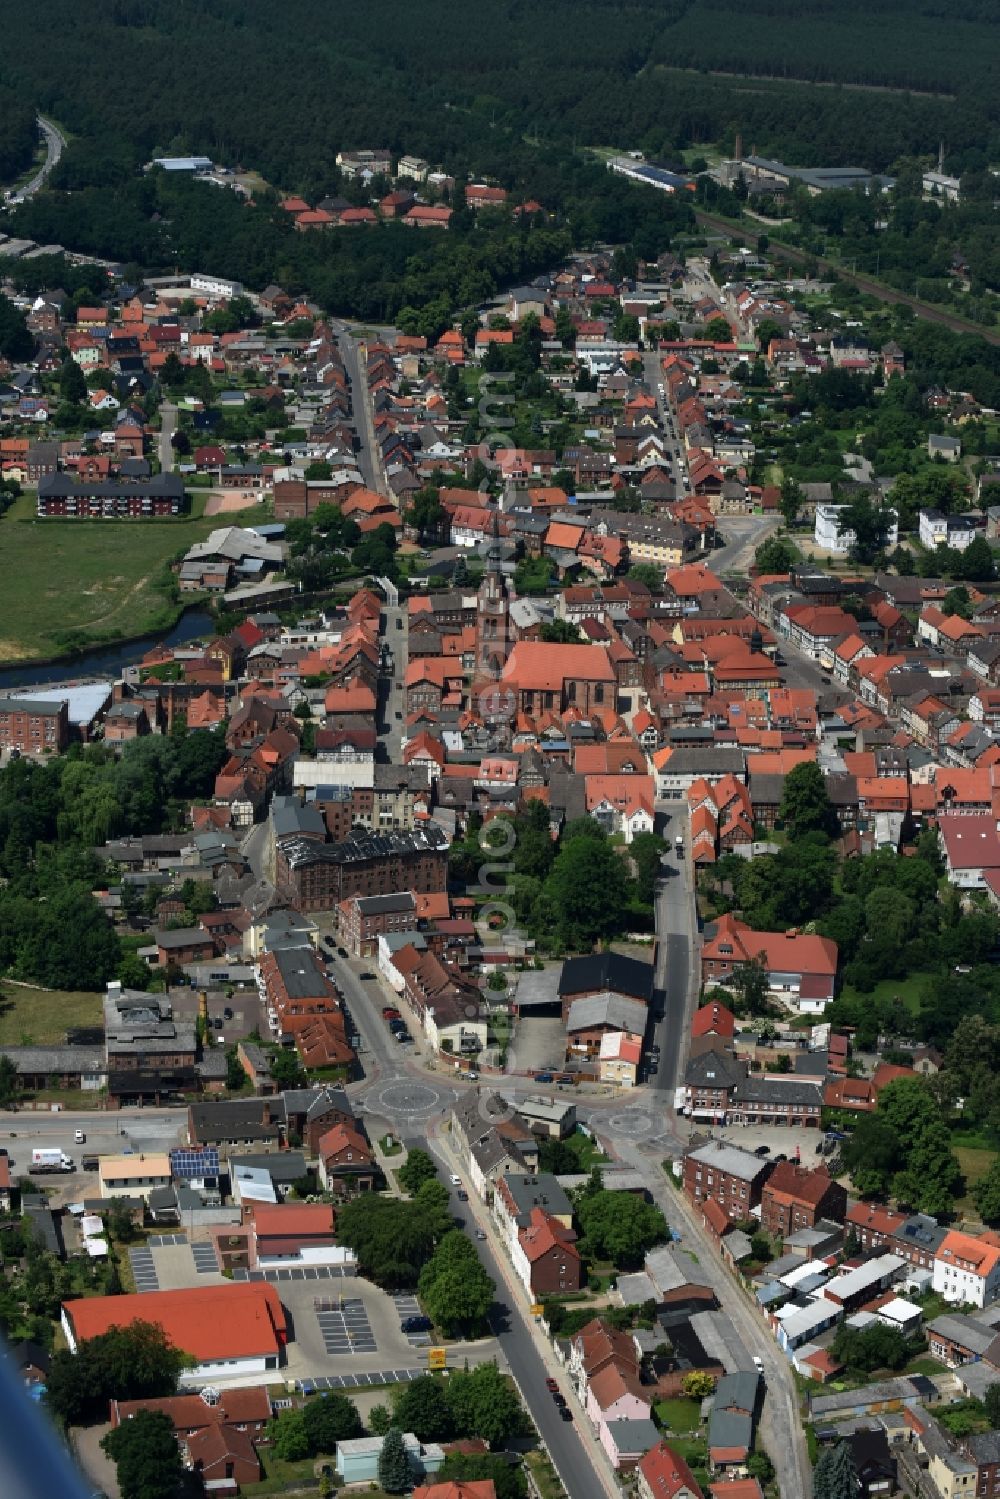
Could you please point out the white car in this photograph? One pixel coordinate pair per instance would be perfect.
(79, 1138)
(456, 1181)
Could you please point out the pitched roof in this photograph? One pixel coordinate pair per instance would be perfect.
(241, 1320)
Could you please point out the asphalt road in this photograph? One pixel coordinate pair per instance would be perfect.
(653, 375)
(392, 699)
(54, 143)
(369, 460)
(581, 1471)
(165, 446)
(677, 953)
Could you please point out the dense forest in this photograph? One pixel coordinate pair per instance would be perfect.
(489, 87)
(510, 90)
(18, 134)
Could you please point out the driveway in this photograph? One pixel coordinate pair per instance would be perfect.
(96, 1464)
(539, 1045)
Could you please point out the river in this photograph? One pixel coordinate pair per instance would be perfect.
(110, 660)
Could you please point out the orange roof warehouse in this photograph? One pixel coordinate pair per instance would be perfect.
(232, 1331)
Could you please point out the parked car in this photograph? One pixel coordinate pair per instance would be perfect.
(366, 975)
(416, 1324)
(480, 1234)
(227, 1013)
(565, 1413)
(328, 942)
(79, 1137)
(342, 952)
(402, 1036)
(463, 1196)
(389, 1012)
(456, 1181)
(566, 1077)
(543, 1077)
(763, 1150)
(552, 1384)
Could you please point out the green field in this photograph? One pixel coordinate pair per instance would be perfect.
(41, 1017)
(74, 583)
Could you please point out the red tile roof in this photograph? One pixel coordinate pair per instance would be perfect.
(209, 1322)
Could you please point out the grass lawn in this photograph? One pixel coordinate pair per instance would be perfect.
(679, 1414)
(71, 582)
(281, 1477)
(389, 1145)
(975, 1163)
(41, 1017)
(588, 1153)
(910, 990)
(924, 1364)
(545, 1476)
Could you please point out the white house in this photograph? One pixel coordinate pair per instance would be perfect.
(827, 536)
(937, 530)
(967, 1270)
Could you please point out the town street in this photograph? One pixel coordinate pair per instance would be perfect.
(368, 456)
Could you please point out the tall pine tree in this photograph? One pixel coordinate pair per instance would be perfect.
(393, 1464)
(834, 1476)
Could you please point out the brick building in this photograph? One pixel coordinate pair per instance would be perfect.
(726, 1175)
(33, 727)
(320, 876)
(131, 499)
(363, 919)
(794, 1198)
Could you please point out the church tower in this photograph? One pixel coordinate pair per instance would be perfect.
(493, 640)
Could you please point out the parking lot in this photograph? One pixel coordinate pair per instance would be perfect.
(780, 1139)
(344, 1326)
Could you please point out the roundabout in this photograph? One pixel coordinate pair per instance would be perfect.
(403, 1098)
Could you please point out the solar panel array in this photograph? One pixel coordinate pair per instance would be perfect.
(188, 1165)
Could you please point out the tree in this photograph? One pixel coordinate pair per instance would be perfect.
(991, 1402)
(318, 469)
(72, 383)
(120, 1223)
(146, 1455)
(718, 331)
(834, 1476)
(484, 1403)
(619, 1227)
(776, 555)
(750, 982)
(698, 1384)
(560, 632)
(588, 891)
(16, 342)
(130, 1363)
(329, 1419)
(394, 1473)
(289, 1437)
(792, 500)
(760, 1466)
(286, 1069)
(417, 1169)
(392, 1239)
(467, 1467)
(877, 1346)
(986, 1194)
(648, 573)
(760, 1247)
(379, 1420)
(8, 1081)
(454, 1286)
(976, 562)
(869, 526)
(422, 1407)
(805, 804)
